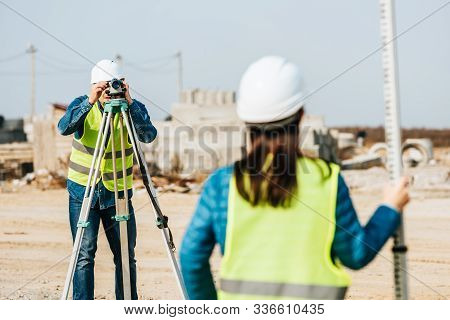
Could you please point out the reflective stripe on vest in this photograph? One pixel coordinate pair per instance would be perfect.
(83, 150)
(108, 155)
(316, 292)
(285, 253)
(107, 176)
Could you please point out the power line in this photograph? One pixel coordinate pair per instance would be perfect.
(38, 56)
(59, 68)
(56, 60)
(14, 73)
(84, 57)
(47, 60)
(27, 73)
(152, 68)
(13, 57)
(155, 59)
(370, 54)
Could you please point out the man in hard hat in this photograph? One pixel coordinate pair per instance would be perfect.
(285, 223)
(82, 119)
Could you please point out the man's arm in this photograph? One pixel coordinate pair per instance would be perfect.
(145, 130)
(73, 119)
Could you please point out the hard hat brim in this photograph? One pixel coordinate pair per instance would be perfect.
(279, 112)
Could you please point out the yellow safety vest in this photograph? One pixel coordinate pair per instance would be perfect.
(83, 150)
(285, 253)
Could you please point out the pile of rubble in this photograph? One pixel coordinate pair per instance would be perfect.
(41, 179)
(45, 180)
(179, 185)
(434, 178)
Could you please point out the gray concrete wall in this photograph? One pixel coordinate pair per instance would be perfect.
(205, 133)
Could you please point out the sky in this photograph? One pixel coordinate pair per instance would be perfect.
(218, 40)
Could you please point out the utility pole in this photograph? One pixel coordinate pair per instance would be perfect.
(180, 74)
(119, 59)
(32, 51)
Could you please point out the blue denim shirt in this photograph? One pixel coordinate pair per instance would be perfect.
(73, 123)
(354, 245)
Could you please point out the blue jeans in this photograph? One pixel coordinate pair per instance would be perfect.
(83, 281)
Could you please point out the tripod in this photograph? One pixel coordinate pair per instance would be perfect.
(112, 109)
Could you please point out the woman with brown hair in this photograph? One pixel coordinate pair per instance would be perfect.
(285, 223)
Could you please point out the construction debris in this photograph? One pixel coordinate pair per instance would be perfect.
(415, 152)
(364, 161)
(42, 180)
(435, 178)
(203, 134)
(16, 160)
(177, 184)
(12, 130)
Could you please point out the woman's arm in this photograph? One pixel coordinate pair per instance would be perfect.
(354, 245)
(145, 130)
(197, 246)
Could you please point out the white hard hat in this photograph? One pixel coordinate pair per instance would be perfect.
(271, 89)
(105, 70)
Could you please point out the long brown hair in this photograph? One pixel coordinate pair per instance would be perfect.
(268, 172)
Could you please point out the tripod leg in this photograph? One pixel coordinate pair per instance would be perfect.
(95, 156)
(113, 152)
(160, 218)
(123, 215)
(86, 205)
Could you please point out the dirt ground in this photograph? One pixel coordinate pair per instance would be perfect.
(35, 244)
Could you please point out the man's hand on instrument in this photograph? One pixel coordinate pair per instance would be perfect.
(96, 91)
(127, 93)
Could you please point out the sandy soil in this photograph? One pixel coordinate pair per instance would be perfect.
(35, 243)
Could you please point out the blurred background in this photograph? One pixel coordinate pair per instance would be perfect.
(184, 60)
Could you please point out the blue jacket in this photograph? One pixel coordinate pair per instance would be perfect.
(73, 123)
(354, 245)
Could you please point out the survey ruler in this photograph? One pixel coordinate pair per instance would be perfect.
(393, 134)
